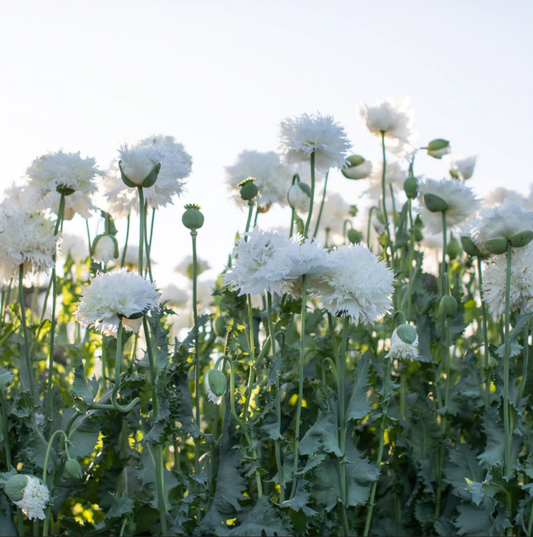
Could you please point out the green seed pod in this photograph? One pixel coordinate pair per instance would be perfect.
(453, 248)
(496, 246)
(356, 167)
(410, 186)
(519, 240)
(249, 189)
(219, 326)
(192, 218)
(354, 236)
(15, 486)
(438, 148)
(407, 333)
(449, 306)
(435, 203)
(469, 246)
(74, 469)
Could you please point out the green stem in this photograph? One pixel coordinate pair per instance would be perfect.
(159, 466)
(196, 345)
(383, 195)
(5, 428)
(116, 388)
(293, 213)
(312, 197)
(369, 225)
(277, 446)
(251, 205)
(45, 473)
(148, 242)
(525, 366)
(124, 251)
(321, 206)
(507, 444)
(485, 334)
(141, 229)
(530, 521)
(27, 359)
(443, 284)
(380, 454)
(411, 255)
(300, 377)
(89, 243)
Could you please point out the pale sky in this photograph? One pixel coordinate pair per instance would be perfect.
(220, 76)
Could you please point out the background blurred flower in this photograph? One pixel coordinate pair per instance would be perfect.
(393, 117)
(185, 266)
(462, 167)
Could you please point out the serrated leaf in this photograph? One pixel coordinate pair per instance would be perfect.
(230, 483)
(463, 465)
(5, 377)
(122, 505)
(263, 519)
(322, 435)
(358, 406)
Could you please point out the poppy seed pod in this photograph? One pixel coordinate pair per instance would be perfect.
(215, 384)
(407, 333)
(249, 189)
(438, 148)
(192, 218)
(449, 306)
(435, 203)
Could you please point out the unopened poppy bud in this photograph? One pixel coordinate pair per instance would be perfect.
(139, 176)
(410, 186)
(215, 384)
(453, 248)
(354, 236)
(249, 189)
(449, 306)
(299, 197)
(15, 486)
(496, 246)
(469, 246)
(104, 248)
(418, 235)
(219, 326)
(192, 218)
(519, 240)
(356, 167)
(438, 148)
(74, 469)
(435, 203)
(407, 333)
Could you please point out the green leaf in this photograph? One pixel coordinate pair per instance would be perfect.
(463, 466)
(83, 435)
(263, 519)
(5, 377)
(230, 484)
(322, 435)
(81, 388)
(7, 525)
(122, 505)
(358, 406)
(301, 499)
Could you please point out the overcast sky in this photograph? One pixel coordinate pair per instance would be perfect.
(220, 76)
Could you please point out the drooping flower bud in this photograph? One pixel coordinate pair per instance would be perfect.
(192, 218)
(469, 246)
(519, 240)
(219, 326)
(354, 236)
(410, 186)
(438, 148)
(29, 494)
(435, 203)
(139, 175)
(357, 167)
(404, 343)
(215, 384)
(104, 248)
(299, 197)
(449, 306)
(453, 248)
(249, 189)
(496, 246)
(74, 469)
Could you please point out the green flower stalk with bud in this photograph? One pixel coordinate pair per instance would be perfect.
(438, 148)
(249, 192)
(357, 168)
